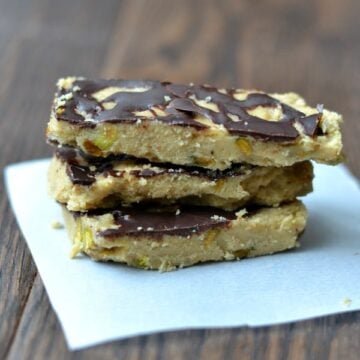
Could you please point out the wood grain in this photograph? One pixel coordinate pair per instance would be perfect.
(36, 47)
(276, 45)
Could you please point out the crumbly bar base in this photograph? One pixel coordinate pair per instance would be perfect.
(267, 231)
(256, 185)
(209, 148)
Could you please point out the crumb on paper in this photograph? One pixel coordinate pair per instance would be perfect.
(346, 301)
(57, 225)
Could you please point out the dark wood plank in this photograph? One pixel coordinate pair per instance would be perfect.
(278, 45)
(17, 270)
(39, 41)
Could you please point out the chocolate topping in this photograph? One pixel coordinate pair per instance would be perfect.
(180, 222)
(177, 101)
(78, 167)
(80, 175)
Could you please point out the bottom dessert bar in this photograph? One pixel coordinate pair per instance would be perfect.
(166, 239)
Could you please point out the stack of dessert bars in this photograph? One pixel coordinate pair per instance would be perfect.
(160, 175)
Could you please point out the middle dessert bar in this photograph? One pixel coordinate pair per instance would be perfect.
(82, 182)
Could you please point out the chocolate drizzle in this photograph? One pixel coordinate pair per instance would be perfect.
(183, 222)
(78, 166)
(177, 102)
(80, 175)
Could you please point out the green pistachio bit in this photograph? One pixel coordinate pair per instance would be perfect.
(105, 140)
(102, 142)
(88, 238)
(142, 262)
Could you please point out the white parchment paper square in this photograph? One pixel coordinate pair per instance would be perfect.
(98, 302)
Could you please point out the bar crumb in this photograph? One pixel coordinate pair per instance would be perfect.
(57, 225)
(346, 301)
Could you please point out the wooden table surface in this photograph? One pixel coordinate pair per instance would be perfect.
(311, 47)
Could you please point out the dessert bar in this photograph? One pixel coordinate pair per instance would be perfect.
(164, 239)
(193, 125)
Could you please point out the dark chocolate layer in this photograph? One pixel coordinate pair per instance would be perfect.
(178, 104)
(82, 168)
(140, 221)
(80, 175)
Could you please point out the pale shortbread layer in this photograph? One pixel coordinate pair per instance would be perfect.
(213, 147)
(267, 231)
(249, 185)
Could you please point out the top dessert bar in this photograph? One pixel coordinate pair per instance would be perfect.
(196, 125)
